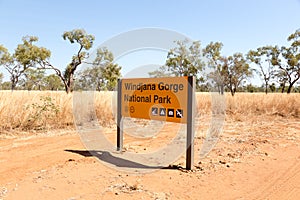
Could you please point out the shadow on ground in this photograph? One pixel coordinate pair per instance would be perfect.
(114, 160)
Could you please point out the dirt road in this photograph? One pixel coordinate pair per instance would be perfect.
(252, 160)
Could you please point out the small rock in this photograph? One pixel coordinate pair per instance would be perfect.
(222, 162)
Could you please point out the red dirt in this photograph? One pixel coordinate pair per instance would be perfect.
(255, 158)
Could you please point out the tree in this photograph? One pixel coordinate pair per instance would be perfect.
(292, 56)
(103, 74)
(26, 55)
(282, 79)
(161, 72)
(185, 60)
(216, 62)
(85, 42)
(263, 58)
(288, 69)
(53, 82)
(287, 59)
(236, 70)
(90, 78)
(272, 87)
(109, 70)
(33, 79)
(6, 85)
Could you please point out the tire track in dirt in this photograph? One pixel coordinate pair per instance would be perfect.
(283, 186)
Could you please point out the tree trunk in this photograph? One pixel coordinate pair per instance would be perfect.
(13, 85)
(291, 85)
(282, 89)
(266, 88)
(289, 88)
(68, 89)
(222, 89)
(69, 84)
(232, 91)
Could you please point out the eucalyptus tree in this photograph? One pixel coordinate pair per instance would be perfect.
(186, 60)
(27, 55)
(103, 74)
(85, 42)
(263, 57)
(215, 61)
(236, 70)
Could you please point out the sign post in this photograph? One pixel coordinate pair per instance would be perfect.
(169, 99)
(190, 124)
(119, 118)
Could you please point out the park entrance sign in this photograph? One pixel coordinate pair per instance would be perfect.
(169, 99)
(162, 99)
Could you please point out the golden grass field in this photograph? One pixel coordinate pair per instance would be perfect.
(47, 110)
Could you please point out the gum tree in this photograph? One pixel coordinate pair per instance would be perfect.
(185, 60)
(26, 56)
(216, 62)
(103, 74)
(292, 57)
(263, 57)
(85, 42)
(287, 61)
(236, 70)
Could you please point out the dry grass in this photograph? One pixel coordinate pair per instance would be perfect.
(284, 105)
(23, 110)
(26, 111)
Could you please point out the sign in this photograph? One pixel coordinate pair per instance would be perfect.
(162, 99)
(168, 99)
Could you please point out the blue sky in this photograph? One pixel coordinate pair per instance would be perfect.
(241, 25)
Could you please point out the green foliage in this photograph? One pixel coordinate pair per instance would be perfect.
(212, 52)
(111, 73)
(53, 82)
(33, 79)
(236, 70)
(41, 112)
(186, 60)
(229, 72)
(85, 42)
(250, 88)
(102, 75)
(161, 72)
(287, 61)
(264, 58)
(90, 79)
(5, 57)
(79, 36)
(6, 85)
(272, 87)
(26, 55)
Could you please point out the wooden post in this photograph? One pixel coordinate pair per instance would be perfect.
(190, 123)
